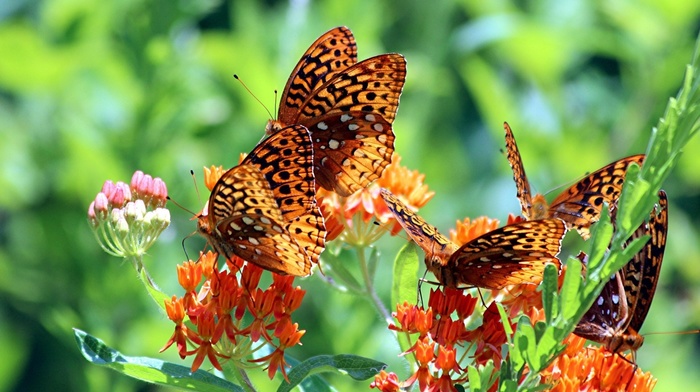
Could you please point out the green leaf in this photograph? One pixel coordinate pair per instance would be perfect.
(550, 285)
(342, 274)
(358, 368)
(149, 370)
(569, 298)
(158, 296)
(474, 379)
(406, 265)
(525, 344)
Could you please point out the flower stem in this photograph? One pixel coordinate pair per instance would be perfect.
(369, 287)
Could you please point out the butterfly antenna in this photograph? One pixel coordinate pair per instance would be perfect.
(253, 95)
(180, 205)
(275, 107)
(196, 188)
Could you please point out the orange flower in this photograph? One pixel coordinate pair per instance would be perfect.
(386, 382)
(212, 175)
(350, 214)
(217, 311)
(595, 368)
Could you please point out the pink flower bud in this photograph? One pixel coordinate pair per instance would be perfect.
(108, 188)
(136, 179)
(160, 191)
(101, 204)
(92, 218)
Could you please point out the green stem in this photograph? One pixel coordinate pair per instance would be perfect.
(369, 287)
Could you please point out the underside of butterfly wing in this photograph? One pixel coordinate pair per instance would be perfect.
(522, 185)
(351, 150)
(243, 219)
(436, 246)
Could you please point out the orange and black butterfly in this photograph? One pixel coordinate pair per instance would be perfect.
(348, 107)
(513, 254)
(617, 314)
(264, 210)
(581, 204)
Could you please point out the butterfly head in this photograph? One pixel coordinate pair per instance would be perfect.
(629, 340)
(539, 209)
(272, 127)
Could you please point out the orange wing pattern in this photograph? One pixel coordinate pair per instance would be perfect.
(513, 254)
(264, 209)
(348, 107)
(581, 204)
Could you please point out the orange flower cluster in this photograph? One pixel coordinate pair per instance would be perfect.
(351, 215)
(440, 329)
(216, 306)
(595, 369)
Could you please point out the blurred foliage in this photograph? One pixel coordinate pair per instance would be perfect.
(93, 90)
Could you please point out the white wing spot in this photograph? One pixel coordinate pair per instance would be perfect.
(370, 118)
(322, 126)
(253, 241)
(248, 220)
(265, 220)
(378, 127)
(333, 144)
(345, 118)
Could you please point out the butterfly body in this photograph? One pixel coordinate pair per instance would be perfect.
(264, 210)
(348, 107)
(581, 204)
(513, 254)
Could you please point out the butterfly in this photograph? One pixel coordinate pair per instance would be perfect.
(581, 204)
(264, 210)
(619, 312)
(513, 254)
(348, 107)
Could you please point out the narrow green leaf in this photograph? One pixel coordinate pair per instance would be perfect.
(358, 368)
(149, 369)
(569, 298)
(406, 265)
(550, 283)
(474, 379)
(525, 345)
(341, 274)
(158, 296)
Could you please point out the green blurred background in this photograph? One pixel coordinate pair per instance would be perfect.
(93, 90)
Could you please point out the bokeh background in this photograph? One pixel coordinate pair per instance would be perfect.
(93, 90)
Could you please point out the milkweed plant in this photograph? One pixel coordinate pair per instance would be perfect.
(230, 321)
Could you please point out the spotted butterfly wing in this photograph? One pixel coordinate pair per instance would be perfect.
(513, 254)
(286, 159)
(581, 204)
(436, 246)
(264, 211)
(619, 311)
(348, 107)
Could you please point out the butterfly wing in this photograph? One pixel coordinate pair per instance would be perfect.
(641, 274)
(436, 246)
(286, 161)
(243, 219)
(522, 185)
(513, 254)
(608, 315)
(331, 53)
(581, 204)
